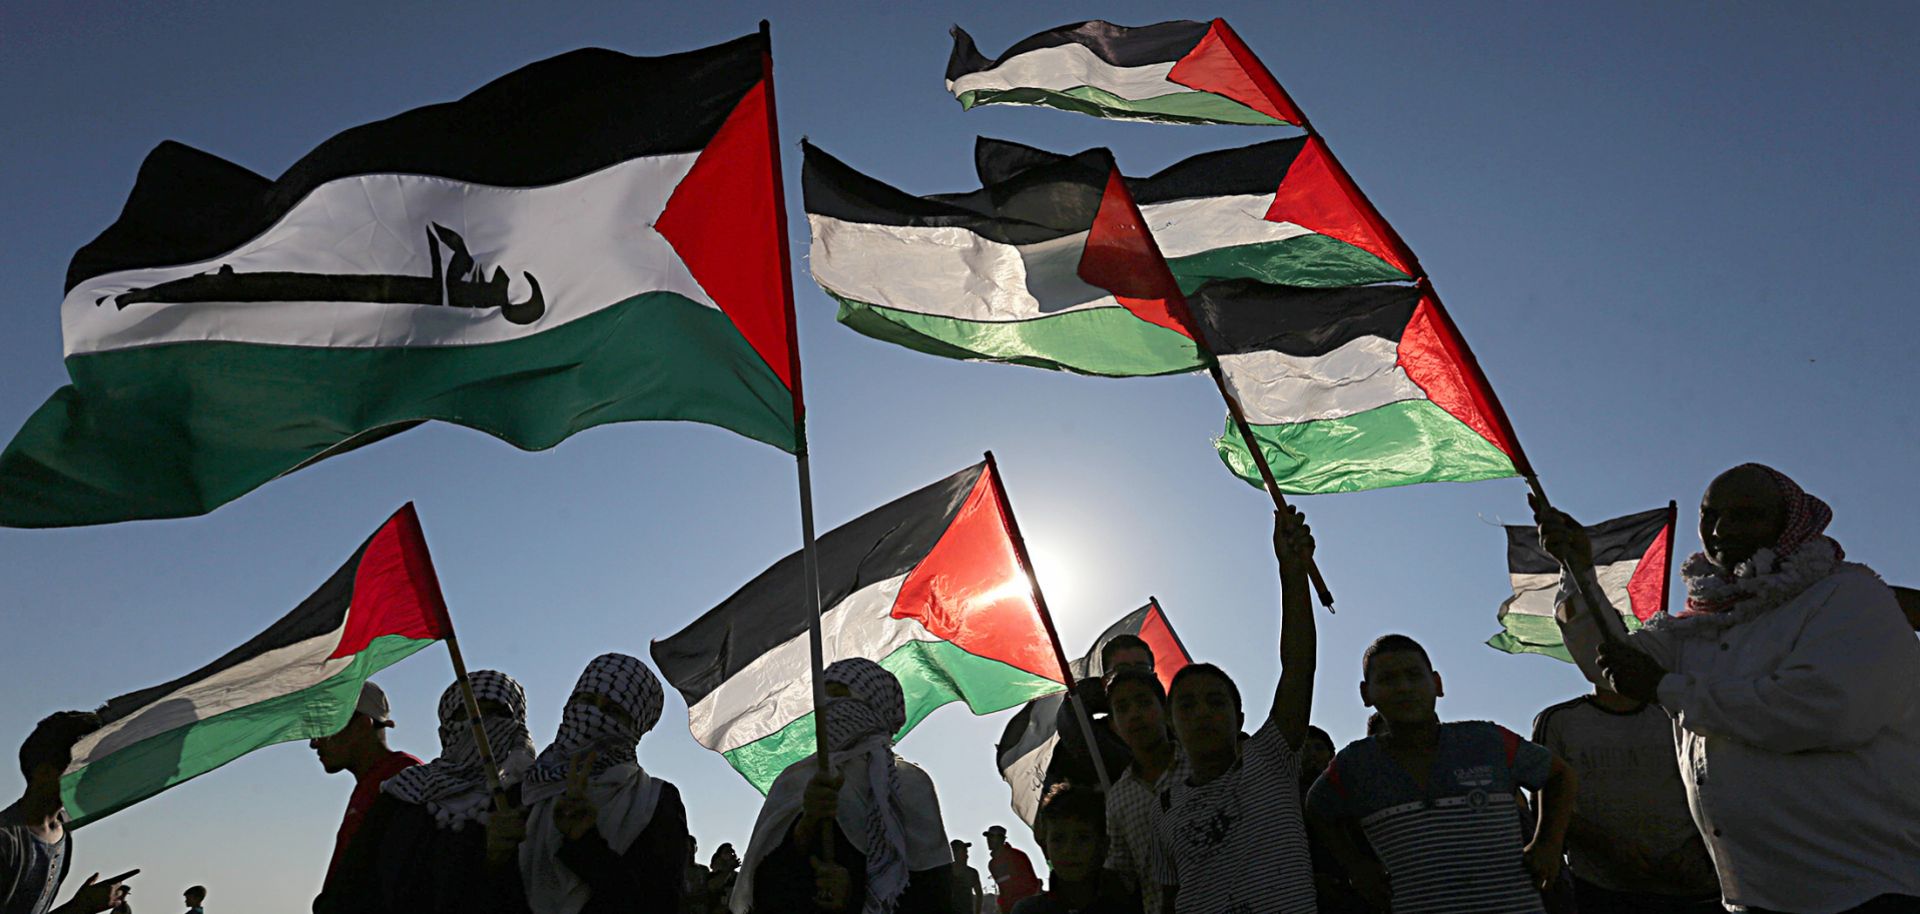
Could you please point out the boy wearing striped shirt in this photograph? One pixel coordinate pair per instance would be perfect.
(1437, 800)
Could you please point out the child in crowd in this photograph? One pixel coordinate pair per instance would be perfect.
(1436, 800)
(1072, 830)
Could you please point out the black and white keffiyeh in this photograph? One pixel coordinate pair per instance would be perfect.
(623, 795)
(454, 786)
(860, 729)
(622, 679)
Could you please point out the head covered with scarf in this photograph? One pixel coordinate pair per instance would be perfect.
(454, 786)
(860, 729)
(1773, 572)
(615, 702)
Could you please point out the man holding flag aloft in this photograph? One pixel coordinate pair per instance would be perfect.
(1790, 679)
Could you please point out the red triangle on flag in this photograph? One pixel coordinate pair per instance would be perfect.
(1122, 258)
(1223, 65)
(724, 222)
(1317, 194)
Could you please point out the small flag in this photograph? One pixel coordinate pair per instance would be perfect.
(1050, 268)
(1352, 389)
(1281, 212)
(1632, 557)
(1026, 748)
(1181, 72)
(592, 238)
(297, 680)
(929, 586)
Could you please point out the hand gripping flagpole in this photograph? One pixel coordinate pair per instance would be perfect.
(809, 551)
(1046, 618)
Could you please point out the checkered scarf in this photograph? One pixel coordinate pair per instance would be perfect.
(860, 727)
(584, 728)
(454, 786)
(1800, 558)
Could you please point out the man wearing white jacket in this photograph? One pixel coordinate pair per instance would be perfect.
(1794, 685)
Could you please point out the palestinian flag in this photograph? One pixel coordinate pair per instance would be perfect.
(1051, 268)
(593, 238)
(297, 680)
(1180, 72)
(1632, 557)
(1351, 389)
(1026, 748)
(1282, 212)
(929, 586)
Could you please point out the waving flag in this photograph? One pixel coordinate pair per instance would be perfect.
(1180, 72)
(590, 239)
(1351, 389)
(297, 680)
(1047, 268)
(929, 586)
(1026, 748)
(1632, 558)
(1281, 212)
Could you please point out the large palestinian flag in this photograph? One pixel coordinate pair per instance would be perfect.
(1350, 389)
(1051, 267)
(297, 680)
(1632, 557)
(593, 238)
(1026, 748)
(1176, 72)
(1282, 212)
(929, 586)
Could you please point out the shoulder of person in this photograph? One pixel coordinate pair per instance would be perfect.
(1482, 732)
(1544, 718)
(1854, 585)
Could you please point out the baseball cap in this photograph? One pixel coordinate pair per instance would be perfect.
(995, 828)
(373, 703)
(959, 843)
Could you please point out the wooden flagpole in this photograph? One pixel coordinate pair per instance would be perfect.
(1046, 618)
(809, 551)
(500, 803)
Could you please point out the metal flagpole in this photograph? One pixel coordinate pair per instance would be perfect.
(809, 552)
(1046, 618)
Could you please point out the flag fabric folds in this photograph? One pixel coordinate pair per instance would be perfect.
(1281, 212)
(1026, 747)
(1632, 557)
(297, 680)
(1181, 72)
(592, 238)
(1352, 389)
(1051, 267)
(929, 586)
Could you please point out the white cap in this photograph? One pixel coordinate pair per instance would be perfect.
(373, 703)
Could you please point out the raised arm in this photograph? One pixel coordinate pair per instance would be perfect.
(1631, 664)
(1293, 698)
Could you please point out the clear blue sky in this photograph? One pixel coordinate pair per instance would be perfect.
(1678, 237)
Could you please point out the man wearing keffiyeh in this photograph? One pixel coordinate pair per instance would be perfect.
(865, 835)
(596, 833)
(422, 848)
(1794, 685)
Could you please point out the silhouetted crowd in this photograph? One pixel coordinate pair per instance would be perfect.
(1756, 751)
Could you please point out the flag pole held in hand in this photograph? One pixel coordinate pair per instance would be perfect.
(500, 803)
(1266, 471)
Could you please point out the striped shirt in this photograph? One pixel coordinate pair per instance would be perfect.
(1133, 812)
(1455, 849)
(1237, 844)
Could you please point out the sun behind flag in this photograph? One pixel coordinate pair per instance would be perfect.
(592, 238)
(1181, 72)
(297, 680)
(929, 586)
(1027, 745)
(1632, 558)
(1281, 212)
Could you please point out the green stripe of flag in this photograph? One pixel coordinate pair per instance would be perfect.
(1177, 107)
(1404, 443)
(1097, 341)
(933, 673)
(164, 760)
